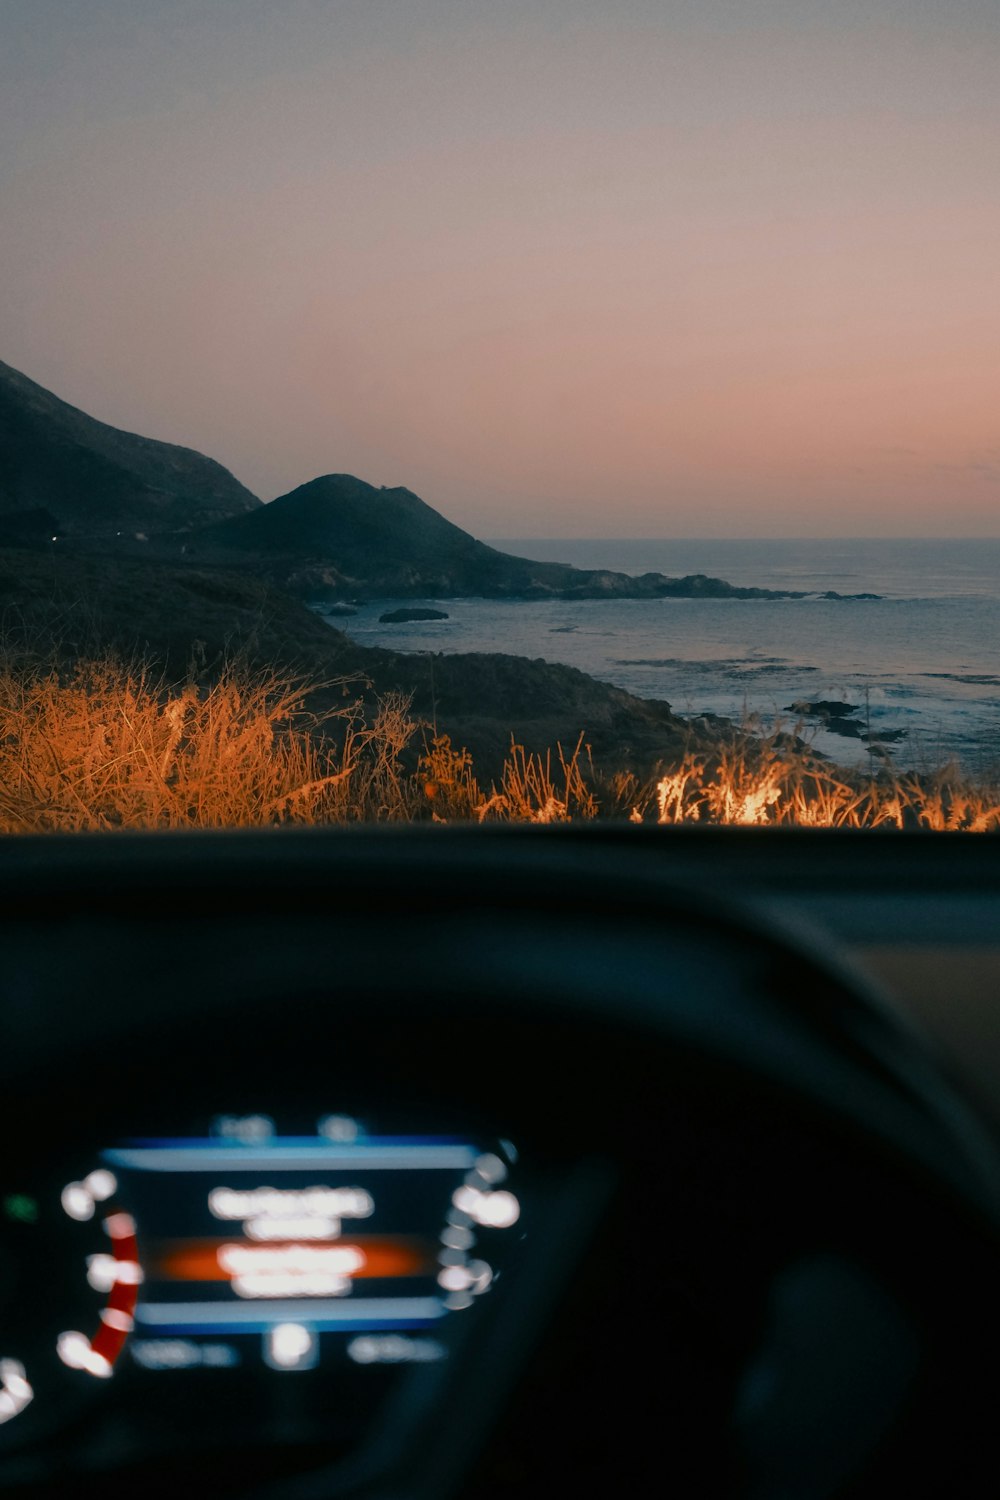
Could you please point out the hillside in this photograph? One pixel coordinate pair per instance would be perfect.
(63, 474)
(185, 616)
(339, 538)
(62, 471)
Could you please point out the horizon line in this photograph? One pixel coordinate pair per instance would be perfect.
(951, 537)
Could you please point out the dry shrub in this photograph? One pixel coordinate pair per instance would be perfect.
(381, 789)
(530, 790)
(109, 744)
(620, 795)
(449, 782)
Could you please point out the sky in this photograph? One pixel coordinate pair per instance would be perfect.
(699, 268)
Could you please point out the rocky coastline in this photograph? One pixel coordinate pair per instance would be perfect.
(112, 541)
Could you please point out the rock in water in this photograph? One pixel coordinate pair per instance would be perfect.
(401, 616)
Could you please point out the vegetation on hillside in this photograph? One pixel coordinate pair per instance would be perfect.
(111, 744)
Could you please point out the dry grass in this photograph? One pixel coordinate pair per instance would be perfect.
(108, 744)
(768, 783)
(530, 790)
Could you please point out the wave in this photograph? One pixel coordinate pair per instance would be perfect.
(972, 678)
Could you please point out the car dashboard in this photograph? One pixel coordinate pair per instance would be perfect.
(496, 1162)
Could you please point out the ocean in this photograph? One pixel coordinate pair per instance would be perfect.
(920, 665)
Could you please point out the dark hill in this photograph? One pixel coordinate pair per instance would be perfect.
(339, 538)
(65, 475)
(60, 467)
(339, 535)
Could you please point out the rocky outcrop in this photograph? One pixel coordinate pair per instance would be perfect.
(838, 717)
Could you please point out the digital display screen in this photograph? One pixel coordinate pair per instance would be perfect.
(283, 1290)
(248, 1246)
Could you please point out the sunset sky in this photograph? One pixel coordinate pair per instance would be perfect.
(565, 268)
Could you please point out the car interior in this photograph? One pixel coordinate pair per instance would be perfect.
(486, 1162)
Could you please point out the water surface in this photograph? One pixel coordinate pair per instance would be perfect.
(924, 658)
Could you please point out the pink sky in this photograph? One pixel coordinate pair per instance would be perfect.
(689, 269)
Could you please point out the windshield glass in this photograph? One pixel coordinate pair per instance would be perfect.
(455, 412)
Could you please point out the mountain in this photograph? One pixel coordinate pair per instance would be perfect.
(338, 535)
(62, 471)
(65, 475)
(338, 538)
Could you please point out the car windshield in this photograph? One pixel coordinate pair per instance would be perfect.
(472, 413)
(454, 455)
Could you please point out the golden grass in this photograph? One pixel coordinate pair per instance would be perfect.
(766, 783)
(531, 790)
(112, 745)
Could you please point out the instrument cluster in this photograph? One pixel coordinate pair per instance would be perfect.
(257, 1282)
